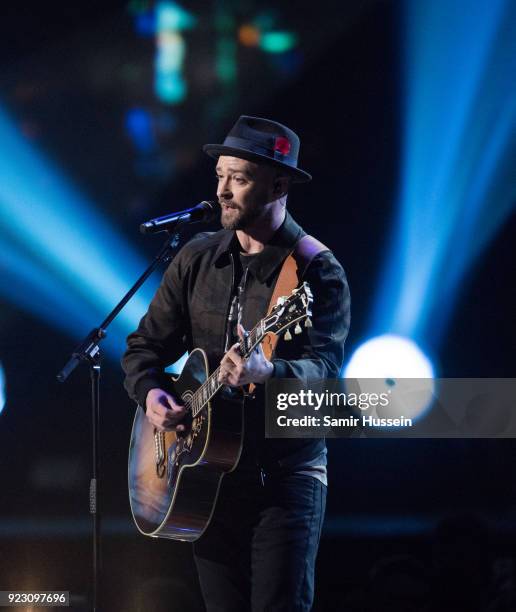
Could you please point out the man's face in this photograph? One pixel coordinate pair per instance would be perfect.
(244, 188)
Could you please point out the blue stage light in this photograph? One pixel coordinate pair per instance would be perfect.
(40, 291)
(45, 295)
(458, 140)
(145, 23)
(138, 124)
(63, 260)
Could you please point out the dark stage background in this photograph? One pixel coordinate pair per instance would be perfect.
(78, 82)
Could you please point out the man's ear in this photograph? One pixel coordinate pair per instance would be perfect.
(280, 185)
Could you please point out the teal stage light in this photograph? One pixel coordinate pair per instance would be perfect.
(170, 84)
(278, 42)
(172, 17)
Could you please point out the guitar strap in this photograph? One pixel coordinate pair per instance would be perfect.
(291, 274)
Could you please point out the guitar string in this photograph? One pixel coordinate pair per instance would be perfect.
(204, 391)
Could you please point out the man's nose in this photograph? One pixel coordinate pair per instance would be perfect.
(224, 192)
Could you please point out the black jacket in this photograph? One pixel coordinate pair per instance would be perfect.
(190, 310)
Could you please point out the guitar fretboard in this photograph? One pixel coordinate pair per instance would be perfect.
(211, 385)
(287, 312)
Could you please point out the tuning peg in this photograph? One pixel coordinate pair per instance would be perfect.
(288, 335)
(297, 329)
(308, 322)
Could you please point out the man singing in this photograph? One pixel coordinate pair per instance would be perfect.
(258, 552)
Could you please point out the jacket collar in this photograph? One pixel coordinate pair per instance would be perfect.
(273, 254)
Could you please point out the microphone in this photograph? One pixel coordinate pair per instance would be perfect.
(205, 211)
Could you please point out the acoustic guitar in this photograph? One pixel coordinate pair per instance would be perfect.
(174, 477)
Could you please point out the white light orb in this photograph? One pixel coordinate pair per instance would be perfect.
(395, 365)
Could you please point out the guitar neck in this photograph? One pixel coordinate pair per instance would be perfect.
(288, 310)
(211, 385)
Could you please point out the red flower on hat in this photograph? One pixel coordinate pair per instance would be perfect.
(282, 145)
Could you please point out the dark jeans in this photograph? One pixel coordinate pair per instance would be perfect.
(258, 553)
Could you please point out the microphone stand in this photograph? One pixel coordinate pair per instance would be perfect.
(88, 352)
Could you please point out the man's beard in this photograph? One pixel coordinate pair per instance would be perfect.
(238, 219)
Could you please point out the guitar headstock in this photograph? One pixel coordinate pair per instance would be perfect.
(290, 310)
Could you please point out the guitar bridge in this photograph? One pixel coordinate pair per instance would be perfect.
(159, 450)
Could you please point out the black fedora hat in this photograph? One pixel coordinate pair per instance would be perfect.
(262, 140)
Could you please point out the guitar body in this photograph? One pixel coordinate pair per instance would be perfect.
(174, 478)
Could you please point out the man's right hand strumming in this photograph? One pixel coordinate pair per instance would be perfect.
(163, 411)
